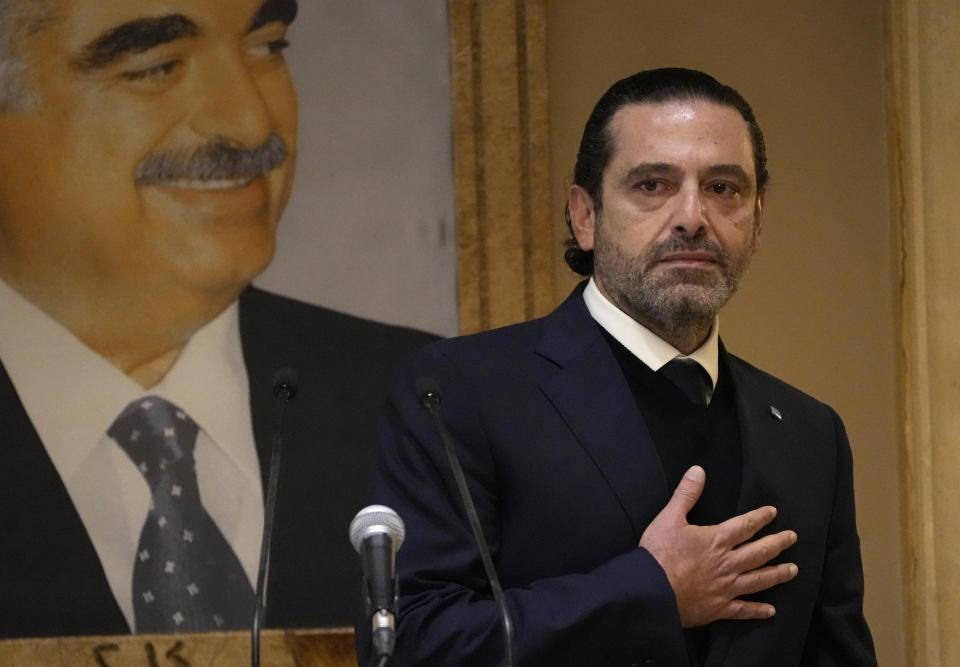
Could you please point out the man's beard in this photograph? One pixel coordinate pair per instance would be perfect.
(671, 301)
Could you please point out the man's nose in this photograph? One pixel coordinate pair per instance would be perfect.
(232, 105)
(690, 215)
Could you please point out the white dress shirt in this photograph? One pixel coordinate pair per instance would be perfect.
(646, 345)
(72, 395)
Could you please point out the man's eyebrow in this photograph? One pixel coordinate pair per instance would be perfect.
(647, 169)
(134, 37)
(274, 10)
(727, 170)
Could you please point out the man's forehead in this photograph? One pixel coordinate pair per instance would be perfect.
(653, 116)
(674, 124)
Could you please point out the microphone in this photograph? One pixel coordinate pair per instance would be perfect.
(377, 533)
(428, 391)
(285, 383)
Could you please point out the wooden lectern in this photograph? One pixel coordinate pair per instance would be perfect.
(278, 648)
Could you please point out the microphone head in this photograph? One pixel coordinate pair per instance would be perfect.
(428, 391)
(285, 382)
(376, 519)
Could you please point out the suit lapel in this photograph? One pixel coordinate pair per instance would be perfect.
(764, 440)
(47, 593)
(591, 394)
(768, 444)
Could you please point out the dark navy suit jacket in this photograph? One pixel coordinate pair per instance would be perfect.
(51, 581)
(566, 478)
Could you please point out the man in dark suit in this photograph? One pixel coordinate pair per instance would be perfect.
(574, 429)
(148, 153)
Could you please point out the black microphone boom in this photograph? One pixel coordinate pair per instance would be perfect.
(377, 533)
(428, 391)
(284, 389)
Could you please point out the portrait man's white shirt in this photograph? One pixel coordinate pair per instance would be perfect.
(646, 345)
(72, 395)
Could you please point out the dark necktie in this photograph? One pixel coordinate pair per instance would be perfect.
(689, 377)
(186, 578)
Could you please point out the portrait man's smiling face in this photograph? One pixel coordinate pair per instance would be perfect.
(155, 153)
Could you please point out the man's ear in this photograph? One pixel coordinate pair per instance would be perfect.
(758, 215)
(583, 216)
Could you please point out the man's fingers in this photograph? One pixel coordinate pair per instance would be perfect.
(751, 555)
(764, 578)
(687, 492)
(741, 528)
(741, 610)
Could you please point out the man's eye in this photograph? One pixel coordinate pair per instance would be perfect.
(278, 45)
(270, 48)
(155, 71)
(649, 186)
(724, 189)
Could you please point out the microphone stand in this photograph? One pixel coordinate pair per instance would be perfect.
(430, 400)
(284, 389)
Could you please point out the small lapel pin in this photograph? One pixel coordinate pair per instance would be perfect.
(776, 413)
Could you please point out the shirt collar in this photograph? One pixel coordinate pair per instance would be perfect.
(209, 381)
(643, 343)
(72, 394)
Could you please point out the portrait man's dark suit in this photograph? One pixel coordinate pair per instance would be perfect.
(547, 426)
(52, 580)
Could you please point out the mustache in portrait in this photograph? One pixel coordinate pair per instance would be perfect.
(219, 159)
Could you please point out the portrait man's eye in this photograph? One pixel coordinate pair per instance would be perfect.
(273, 47)
(269, 40)
(161, 70)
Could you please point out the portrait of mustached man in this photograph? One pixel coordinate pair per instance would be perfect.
(148, 153)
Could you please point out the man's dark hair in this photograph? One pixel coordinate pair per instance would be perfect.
(648, 87)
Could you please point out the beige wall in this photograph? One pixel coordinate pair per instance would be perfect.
(818, 307)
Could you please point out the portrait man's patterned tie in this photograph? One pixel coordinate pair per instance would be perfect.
(186, 578)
